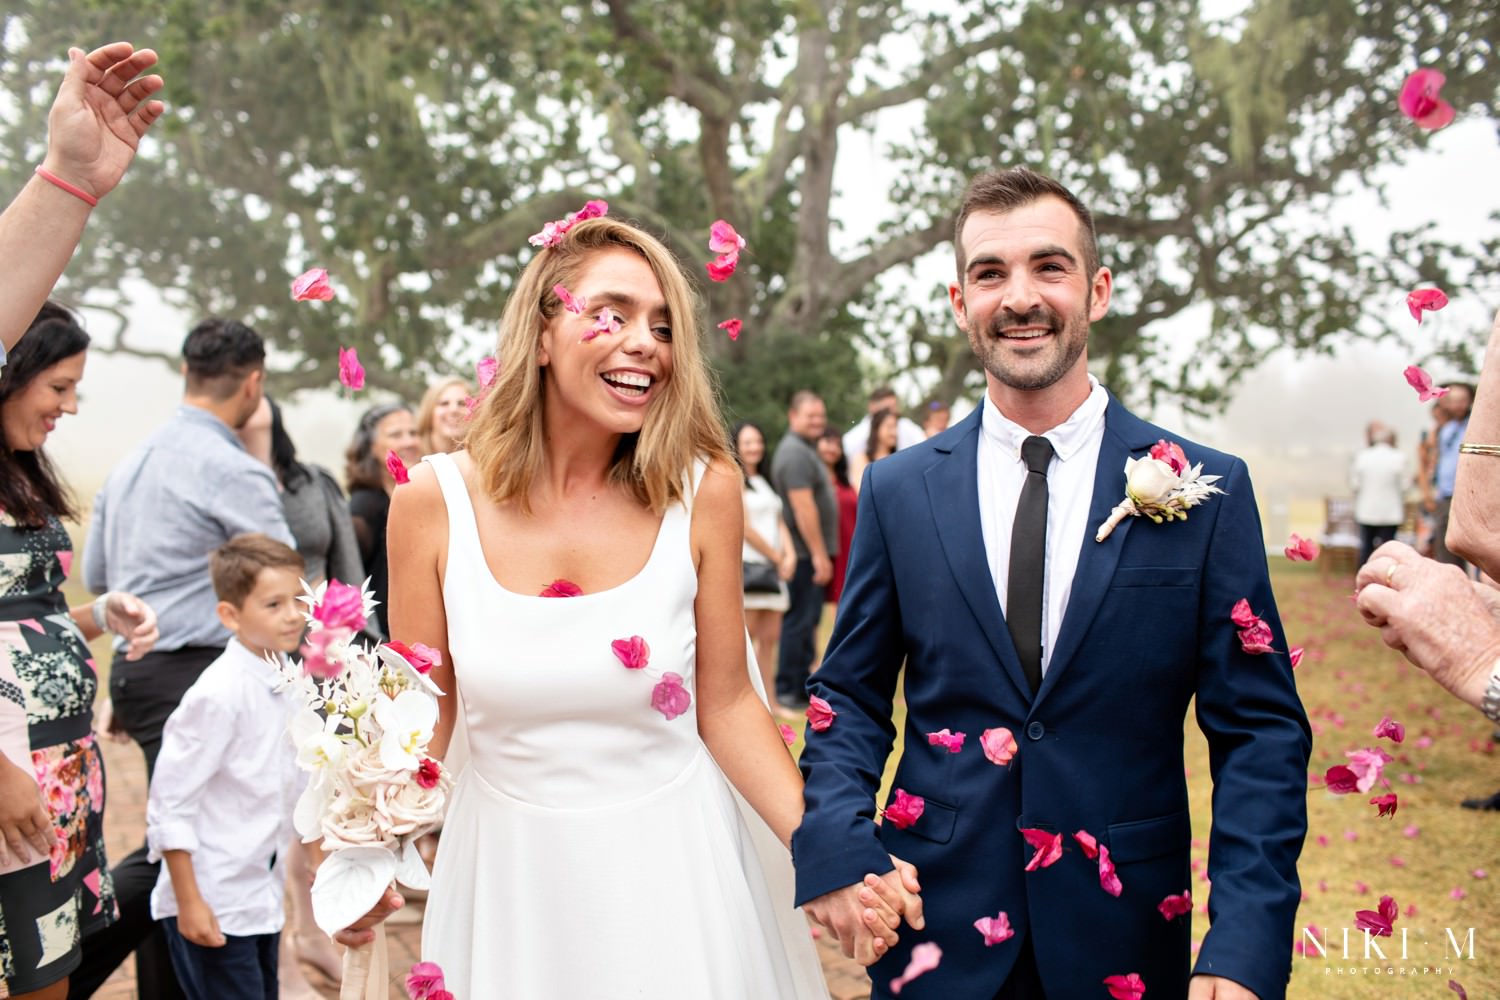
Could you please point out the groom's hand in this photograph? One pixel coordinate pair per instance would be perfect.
(863, 917)
(1217, 988)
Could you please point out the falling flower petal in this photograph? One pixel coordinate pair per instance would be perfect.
(1295, 653)
(592, 209)
(1108, 880)
(1368, 766)
(634, 652)
(1129, 987)
(575, 304)
(904, 809)
(1457, 892)
(1385, 803)
(1422, 382)
(1479, 873)
(1048, 848)
(1257, 638)
(312, 286)
(486, 370)
(1088, 843)
(788, 734)
(721, 267)
(1420, 102)
(1393, 731)
(669, 697)
(1301, 549)
(1378, 922)
(999, 745)
(561, 588)
(995, 929)
(351, 372)
(924, 958)
(953, 742)
(1425, 300)
(723, 239)
(1340, 780)
(550, 236)
(819, 714)
(1173, 907)
(1462, 994)
(1242, 616)
(732, 327)
(397, 468)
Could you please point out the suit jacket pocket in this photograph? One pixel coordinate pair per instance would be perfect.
(1156, 576)
(935, 823)
(1143, 839)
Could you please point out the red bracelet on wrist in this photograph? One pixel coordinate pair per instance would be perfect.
(57, 181)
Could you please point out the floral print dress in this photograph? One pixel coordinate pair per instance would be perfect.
(47, 686)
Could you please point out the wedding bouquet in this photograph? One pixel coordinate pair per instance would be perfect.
(363, 731)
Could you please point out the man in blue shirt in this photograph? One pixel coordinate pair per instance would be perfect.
(1456, 404)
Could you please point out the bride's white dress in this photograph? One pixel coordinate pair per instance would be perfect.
(592, 848)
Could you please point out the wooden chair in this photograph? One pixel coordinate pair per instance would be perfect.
(1339, 538)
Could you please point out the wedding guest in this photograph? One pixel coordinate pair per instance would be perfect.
(881, 443)
(1455, 406)
(1474, 522)
(578, 566)
(443, 415)
(54, 883)
(220, 808)
(383, 430)
(1047, 668)
(1378, 477)
(95, 125)
(935, 418)
(768, 555)
(831, 451)
(882, 398)
(180, 494)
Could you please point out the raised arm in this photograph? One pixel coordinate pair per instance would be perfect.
(93, 130)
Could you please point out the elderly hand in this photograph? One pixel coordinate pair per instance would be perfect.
(101, 112)
(1434, 615)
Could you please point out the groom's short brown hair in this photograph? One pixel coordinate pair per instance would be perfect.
(1003, 190)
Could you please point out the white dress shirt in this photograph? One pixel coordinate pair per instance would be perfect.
(1070, 492)
(1379, 477)
(224, 788)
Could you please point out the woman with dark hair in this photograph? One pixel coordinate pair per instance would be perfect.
(831, 451)
(769, 558)
(383, 429)
(884, 440)
(54, 883)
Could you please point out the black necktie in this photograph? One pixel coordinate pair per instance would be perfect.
(1028, 554)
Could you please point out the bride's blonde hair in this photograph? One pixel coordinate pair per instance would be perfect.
(682, 423)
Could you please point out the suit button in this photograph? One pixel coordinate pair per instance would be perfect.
(1035, 731)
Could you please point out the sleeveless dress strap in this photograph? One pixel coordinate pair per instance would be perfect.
(463, 530)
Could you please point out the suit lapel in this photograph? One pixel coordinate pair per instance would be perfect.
(1125, 435)
(953, 492)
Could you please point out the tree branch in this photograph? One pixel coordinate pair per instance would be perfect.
(928, 75)
(853, 275)
(693, 89)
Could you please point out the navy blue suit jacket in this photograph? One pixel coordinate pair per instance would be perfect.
(1147, 629)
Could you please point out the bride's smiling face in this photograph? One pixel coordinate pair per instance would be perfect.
(609, 378)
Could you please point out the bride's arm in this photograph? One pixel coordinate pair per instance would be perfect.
(416, 549)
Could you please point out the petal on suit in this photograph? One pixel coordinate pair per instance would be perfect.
(924, 958)
(1048, 848)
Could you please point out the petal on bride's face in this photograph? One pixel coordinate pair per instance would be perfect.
(576, 304)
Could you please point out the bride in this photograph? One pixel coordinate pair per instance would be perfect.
(579, 568)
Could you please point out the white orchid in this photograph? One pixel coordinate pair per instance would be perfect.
(406, 723)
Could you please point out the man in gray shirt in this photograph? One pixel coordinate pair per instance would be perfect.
(183, 492)
(811, 511)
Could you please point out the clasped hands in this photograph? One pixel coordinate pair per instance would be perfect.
(863, 917)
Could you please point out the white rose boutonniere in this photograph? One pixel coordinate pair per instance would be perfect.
(1161, 486)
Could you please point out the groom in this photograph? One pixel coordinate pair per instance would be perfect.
(975, 566)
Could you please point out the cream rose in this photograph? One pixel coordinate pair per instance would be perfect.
(1149, 480)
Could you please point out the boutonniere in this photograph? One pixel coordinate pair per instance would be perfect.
(1161, 486)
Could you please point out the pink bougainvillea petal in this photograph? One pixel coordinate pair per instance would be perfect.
(1108, 880)
(312, 286)
(1127, 987)
(1241, 614)
(423, 979)
(1425, 300)
(952, 742)
(820, 714)
(721, 267)
(421, 656)
(634, 652)
(1301, 549)
(486, 370)
(1088, 844)
(1385, 803)
(575, 304)
(1257, 638)
(1368, 766)
(606, 323)
(1462, 993)
(995, 929)
(1422, 382)
(788, 734)
(669, 697)
(723, 239)
(592, 209)
(397, 468)
(999, 745)
(732, 327)
(1393, 731)
(1340, 780)
(561, 588)
(1048, 846)
(1170, 452)
(1420, 102)
(924, 958)
(1378, 922)
(1173, 907)
(351, 372)
(904, 809)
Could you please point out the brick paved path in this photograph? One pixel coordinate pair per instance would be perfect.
(124, 826)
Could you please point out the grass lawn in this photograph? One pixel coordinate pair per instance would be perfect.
(1430, 852)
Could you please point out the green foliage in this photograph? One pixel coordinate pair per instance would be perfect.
(411, 147)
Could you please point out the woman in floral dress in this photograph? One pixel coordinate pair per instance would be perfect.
(54, 883)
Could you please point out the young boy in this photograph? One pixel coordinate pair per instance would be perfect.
(221, 799)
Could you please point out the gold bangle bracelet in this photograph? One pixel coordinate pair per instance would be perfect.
(1480, 449)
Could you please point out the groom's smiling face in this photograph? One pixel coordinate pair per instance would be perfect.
(1026, 300)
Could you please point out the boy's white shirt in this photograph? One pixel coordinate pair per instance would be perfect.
(225, 785)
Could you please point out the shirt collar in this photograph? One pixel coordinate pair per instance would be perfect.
(255, 663)
(200, 416)
(1067, 438)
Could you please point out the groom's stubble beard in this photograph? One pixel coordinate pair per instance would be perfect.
(1073, 339)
